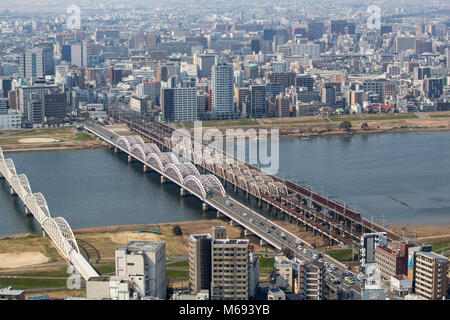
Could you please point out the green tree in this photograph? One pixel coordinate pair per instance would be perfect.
(177, 230)
(365, 126)
(288, 253)
(346, 125)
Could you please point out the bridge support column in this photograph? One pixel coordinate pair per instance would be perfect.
(259, 203)
(235, 188)
(248, 233)
(43, 233)
(182, 192)
(219, 215)
(263, 243)
(246, 195)
(145, 168)
(130, 158)
(233, 223)
(13, 193)
(116, 150)
(27, 211)
(163, 179)
(204, 206)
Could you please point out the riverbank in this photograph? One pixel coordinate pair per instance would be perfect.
(25, 250)
(47, 139)
(331, 125)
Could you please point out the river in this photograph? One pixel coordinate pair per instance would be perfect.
(394, 178)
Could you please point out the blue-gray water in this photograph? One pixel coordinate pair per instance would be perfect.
(403, 176)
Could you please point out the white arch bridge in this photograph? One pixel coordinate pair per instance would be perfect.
(56, 228)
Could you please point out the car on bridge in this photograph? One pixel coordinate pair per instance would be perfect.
(251, 220)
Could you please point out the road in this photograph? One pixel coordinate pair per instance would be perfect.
(259, 225)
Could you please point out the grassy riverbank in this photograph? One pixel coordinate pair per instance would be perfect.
(46, 139)
(330, 125)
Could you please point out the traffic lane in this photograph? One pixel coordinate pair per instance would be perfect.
(263, 229)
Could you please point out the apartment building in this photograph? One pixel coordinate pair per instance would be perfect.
(311, 280)
(431, 280)
(199, 263)
(284, 271)
(230, 269)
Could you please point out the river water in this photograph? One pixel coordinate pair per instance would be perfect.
(398, 178)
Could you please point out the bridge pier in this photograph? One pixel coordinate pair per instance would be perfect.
(163, 179)
(145, 168)
(182, 192)
(43, 233)
(233, 223)
(13, 193)
(259, 203)
(116, 150)
(235, 188)
(204, 206)
(130, 159)
(246, 195)
(263, 242)
(219, 215)
(248, 233)
(27, 211)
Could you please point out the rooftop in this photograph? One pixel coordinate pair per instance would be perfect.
(140, 245)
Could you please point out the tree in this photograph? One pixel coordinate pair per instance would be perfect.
(346, 125)
(288, 253)
(365, 126)
(177, 230)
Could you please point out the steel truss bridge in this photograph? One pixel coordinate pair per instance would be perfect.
(297, 203)
(56, 228)
(206, 187)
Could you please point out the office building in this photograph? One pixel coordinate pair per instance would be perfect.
(222, 85)
(151, 90)
(434, 87)
(258, 102)
(304, 81)
(143, 263)
(10, 294)
(205, 63)
(179, 104)
(329, 95)
(55, 105)
(37, 62)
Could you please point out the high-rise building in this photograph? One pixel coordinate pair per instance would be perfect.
(258, 102)
(434, 87)
(431, 271)
(55, 105)
(287, 79)
(369, 242)
(422, 46)
(179, 104)
(144, 264)
(304, 81)
(35, 116)
(230, 269)
(37, 62)
(151, 90)
(222, 84)
(3, 106)
(199, 262)
(315, 30)
(329, 95)
(205, 63)
(311, 280)
(5, 86)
